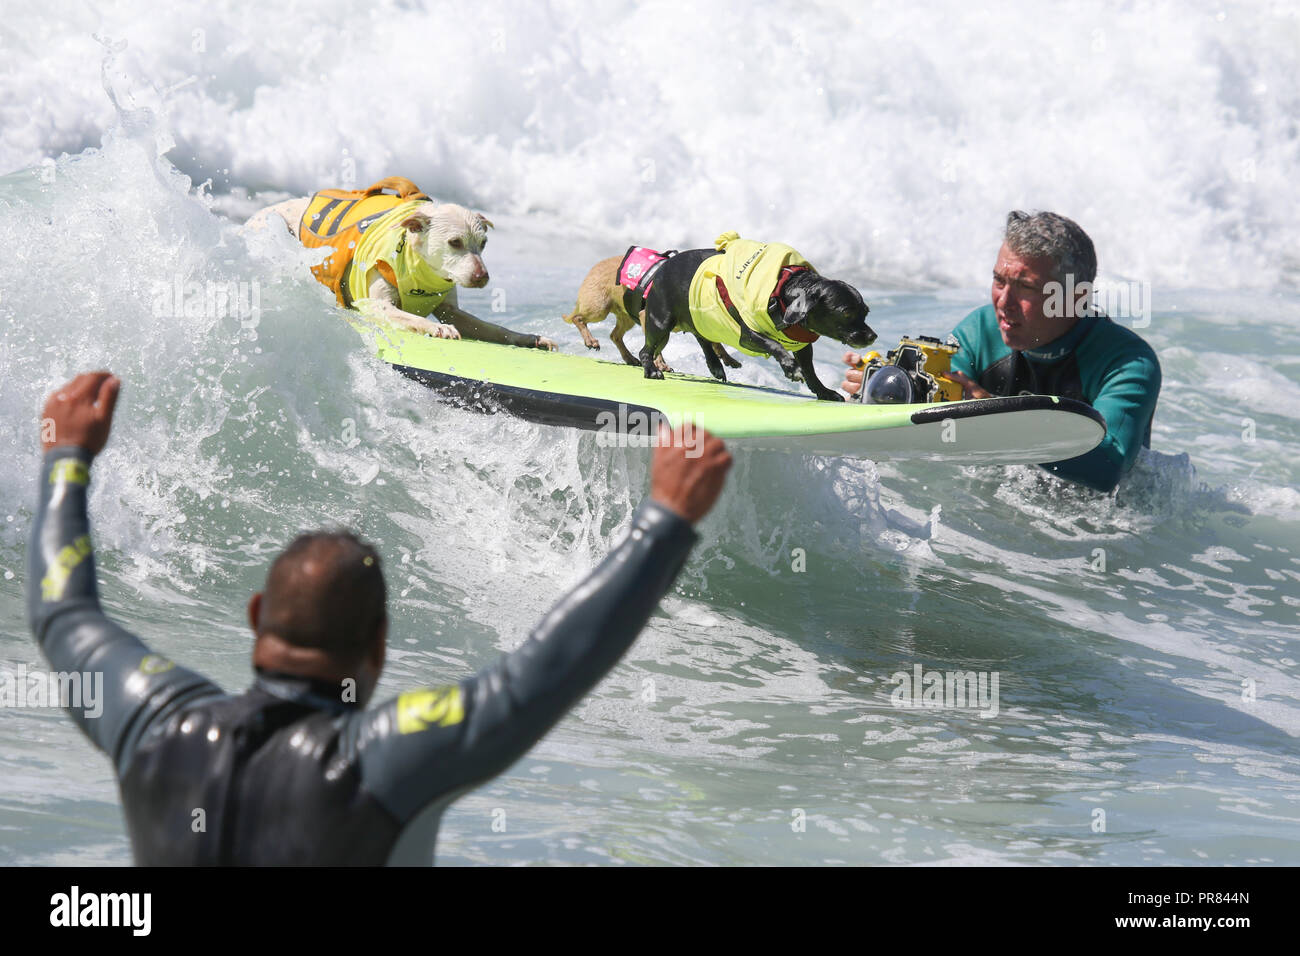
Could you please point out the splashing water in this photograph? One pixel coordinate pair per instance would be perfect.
(1146, 643)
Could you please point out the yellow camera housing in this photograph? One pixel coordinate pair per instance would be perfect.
(926, 360)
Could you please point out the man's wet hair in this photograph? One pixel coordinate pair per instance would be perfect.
(1049, 234)
(326, 590)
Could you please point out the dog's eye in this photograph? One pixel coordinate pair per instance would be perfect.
(456, 244)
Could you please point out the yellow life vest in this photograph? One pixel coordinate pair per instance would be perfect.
(364, 228)
(750, 271)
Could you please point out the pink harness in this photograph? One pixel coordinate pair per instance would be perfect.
(636, 271)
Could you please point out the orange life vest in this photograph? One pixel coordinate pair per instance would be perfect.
(338, 217)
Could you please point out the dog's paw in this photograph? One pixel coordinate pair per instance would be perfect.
(792, 372)
(440, 330)
(548, 345)
(730, 362)
(828, 396)
(593, 344)
(653, 372)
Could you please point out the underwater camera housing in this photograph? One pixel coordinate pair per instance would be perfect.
(910, 374)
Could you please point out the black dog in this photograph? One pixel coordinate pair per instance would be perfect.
(807, 302)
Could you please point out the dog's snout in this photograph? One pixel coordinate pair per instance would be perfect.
(478, 276)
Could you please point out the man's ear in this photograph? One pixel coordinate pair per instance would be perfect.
(254, 609)
(416, 222)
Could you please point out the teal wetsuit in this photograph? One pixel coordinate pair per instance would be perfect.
(1098, 362)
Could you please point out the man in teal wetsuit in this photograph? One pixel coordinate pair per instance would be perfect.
(1032, 339)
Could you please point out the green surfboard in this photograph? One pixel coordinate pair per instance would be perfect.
(617, 401)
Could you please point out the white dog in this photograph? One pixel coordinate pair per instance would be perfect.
(448, 242)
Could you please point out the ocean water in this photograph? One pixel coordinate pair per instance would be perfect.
(1145, 644)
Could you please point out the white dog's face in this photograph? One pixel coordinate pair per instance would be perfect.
(451, 239)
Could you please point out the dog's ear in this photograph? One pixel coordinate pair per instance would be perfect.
(484, 220)
(417, 222)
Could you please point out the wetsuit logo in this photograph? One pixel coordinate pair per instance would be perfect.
(153, 664)
(55, 581)
(70, 470)
(419, 710)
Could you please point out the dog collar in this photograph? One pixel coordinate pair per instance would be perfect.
(776, 308)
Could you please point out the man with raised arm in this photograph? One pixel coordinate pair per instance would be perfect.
(296, 770)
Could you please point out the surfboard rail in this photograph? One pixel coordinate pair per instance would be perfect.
(555, 388)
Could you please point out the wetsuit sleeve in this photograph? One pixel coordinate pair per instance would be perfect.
(122, 687)
(967, 334)
(1127, 401)
(432, 743)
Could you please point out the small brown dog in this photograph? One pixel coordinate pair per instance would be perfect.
(600, 294)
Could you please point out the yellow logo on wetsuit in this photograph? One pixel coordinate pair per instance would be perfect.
(419, 710)
(69, 470)
(55, 581)
(153, 664)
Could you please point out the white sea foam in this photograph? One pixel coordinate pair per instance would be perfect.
(885, 140)
(767, 679)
